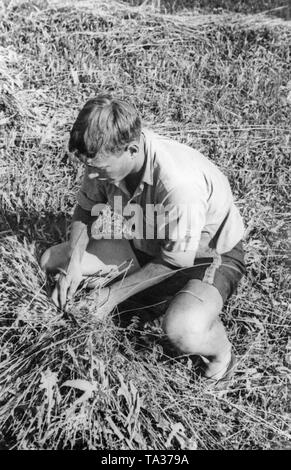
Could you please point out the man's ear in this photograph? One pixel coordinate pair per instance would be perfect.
(133, 149)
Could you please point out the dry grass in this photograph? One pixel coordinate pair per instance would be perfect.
(219, 82)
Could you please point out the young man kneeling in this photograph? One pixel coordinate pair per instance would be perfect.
(188, 241)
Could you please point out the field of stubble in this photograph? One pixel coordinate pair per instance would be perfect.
(219, 81)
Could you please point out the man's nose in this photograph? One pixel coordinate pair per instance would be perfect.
(101, 167)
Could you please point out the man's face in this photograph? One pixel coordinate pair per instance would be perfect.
(108, 167)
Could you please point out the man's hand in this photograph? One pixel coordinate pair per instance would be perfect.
(67, 283)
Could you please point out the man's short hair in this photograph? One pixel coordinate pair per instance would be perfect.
(105, 125)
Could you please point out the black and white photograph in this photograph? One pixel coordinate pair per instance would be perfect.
(145, 228)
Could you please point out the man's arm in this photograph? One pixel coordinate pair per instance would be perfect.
(69, 280)
(80, 232)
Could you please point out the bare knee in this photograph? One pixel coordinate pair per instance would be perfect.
(186, 329)
(44, 260)
(54, 257)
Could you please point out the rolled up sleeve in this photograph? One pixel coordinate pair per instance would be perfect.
(185, 218)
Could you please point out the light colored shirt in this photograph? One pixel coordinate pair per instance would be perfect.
(202, 219)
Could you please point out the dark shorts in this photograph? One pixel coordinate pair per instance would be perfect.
(222, 271)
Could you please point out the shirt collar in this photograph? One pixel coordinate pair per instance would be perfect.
(147, 176)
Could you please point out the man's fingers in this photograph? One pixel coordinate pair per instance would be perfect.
(55, 296)
(59, 295)
(72, 289)
(63, 290)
